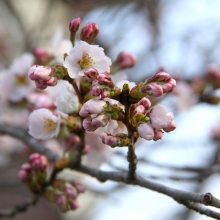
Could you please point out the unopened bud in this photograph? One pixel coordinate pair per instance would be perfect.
(152, 89)
(41, 55)
(104, 79)
(42, 73)
(80, 188)
(74, 27)
(89, 32)
(158, 135)
(52, 82)
(159, 77)
(91, 74)
(145, 102)
(146, 131)
(119, 140)
(38, 161)
(125, 60)
(40, 84)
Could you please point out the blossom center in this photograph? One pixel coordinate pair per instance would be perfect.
(86, 61)
(49, 125)
(21, 80)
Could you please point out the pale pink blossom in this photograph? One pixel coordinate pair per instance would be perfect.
(146, 131)
(60, 46)
(17, 83)
(67, 101)
(160, 117)
(84, 56)
(43, 124)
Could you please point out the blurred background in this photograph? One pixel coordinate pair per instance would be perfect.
(183, 38)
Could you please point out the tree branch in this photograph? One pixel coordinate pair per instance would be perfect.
(18, 208)
(21, 134)
(188, 199)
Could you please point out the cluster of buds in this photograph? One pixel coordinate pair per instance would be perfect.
(101, 84)
(156, 119)
(64, 194)
(34, 173)
(98, 113)
(42, 76)
(155, 86)
(118, 140)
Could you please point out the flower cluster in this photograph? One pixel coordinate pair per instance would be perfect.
(64, 194)
(95, 98)
(34, 173)
(95, 107)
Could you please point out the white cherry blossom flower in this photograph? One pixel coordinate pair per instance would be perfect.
(83, 56)
(67, 101)
(60, 46)
(18, 84)
(43, 124)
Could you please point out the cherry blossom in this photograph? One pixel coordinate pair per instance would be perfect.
(84, 56)
(43, 124)
(67, 101)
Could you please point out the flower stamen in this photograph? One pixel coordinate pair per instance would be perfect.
(86, 61)
(49, 125)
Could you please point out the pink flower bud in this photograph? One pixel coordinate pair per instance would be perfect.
(159, 77)
(38, 161)
(95, 90)
(109, 140)
(158, 134)
(89, 32)
(69, 191)
(80, 188)
(125, 60)
(145, 102)
(139, 109)
(100, 121)
(170, 127)
(93, 106)
(91, 74)
(42, 56)
(146, 131)
(161, 118)
(73, 205)
(104, 79)
(60, 199)
(87, 124)
(23, 175)
(152, 89)
(40, 73)
(169, 86)
(52, 82)
(74, 25)
(40, 84)
(25, 172)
